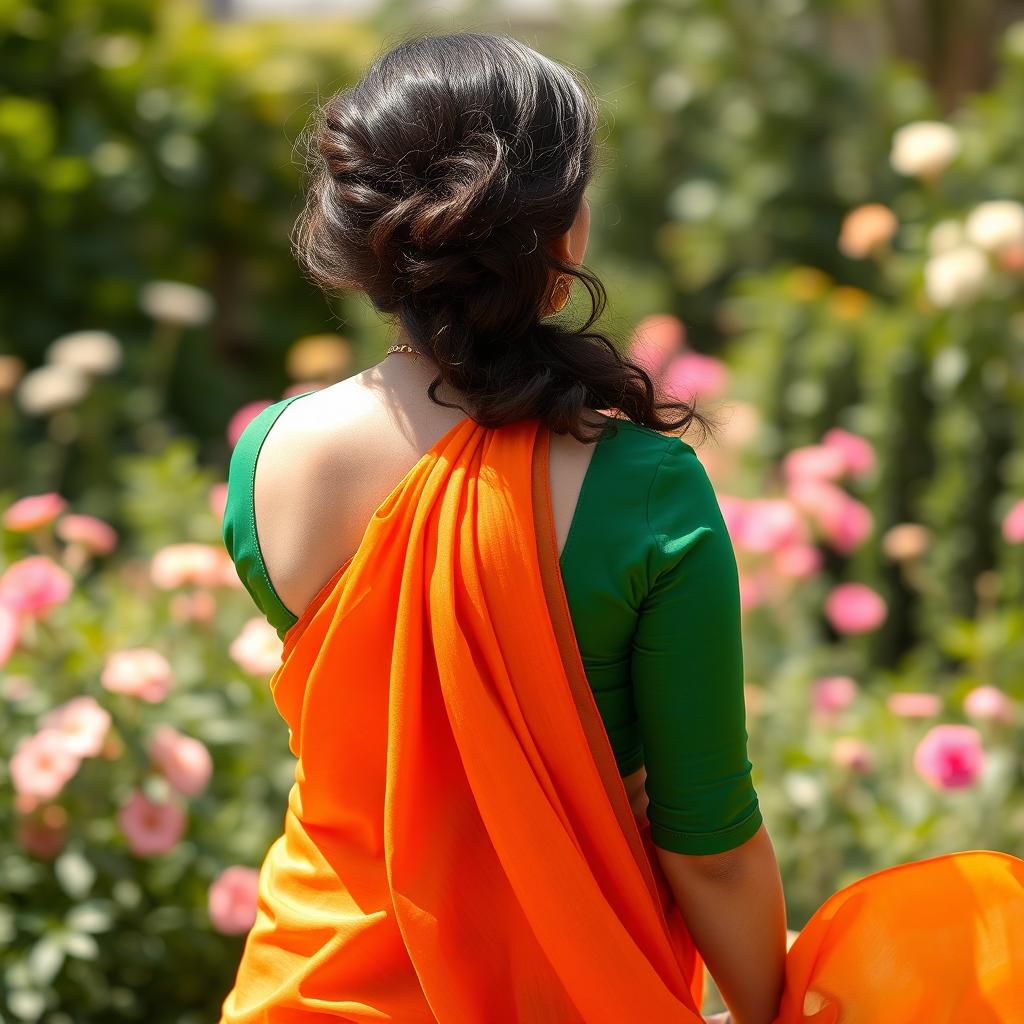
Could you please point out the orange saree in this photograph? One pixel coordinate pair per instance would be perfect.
(458, 845)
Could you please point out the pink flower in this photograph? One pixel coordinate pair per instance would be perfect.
(184, 761)
(34, 511)
(218, 499)
(151, 828)
(866, 229)
(655, 339)
(854, 608)
(814, 462)
(139, 672)
(83, 723)
(846, 524)
(42, 764)
(858, 455)
(232, 900)
(694, 374)
(989, 703)
(258, 648)
(768, 524)
(241, 419)
(1013, 523)
(913, 705)
(96, 536)
(195, 606)
(797, 561)
(832, 694)
(854, 754)
(10, 633)
(179, 565)
(950, 756)
(34, 585)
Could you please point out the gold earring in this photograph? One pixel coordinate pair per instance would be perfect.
(565, 290)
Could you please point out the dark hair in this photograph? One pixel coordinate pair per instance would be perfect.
(436, 183)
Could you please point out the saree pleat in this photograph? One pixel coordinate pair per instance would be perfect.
(458, 845)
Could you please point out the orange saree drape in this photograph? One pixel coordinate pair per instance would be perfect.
(458, 845)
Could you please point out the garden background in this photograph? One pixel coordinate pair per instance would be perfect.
(811, 218)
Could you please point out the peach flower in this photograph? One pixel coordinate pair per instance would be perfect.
(854, 754)
(258, 648)
(243, 417)
(197, 606)
(34, 511)
(906, 541)
(33, 585)
(151, 828)
(913, 704)
(43, 764)
(655, 339)
(866, 229)
(83, 722)
(854, 608)
(183, 760)
(950, 756)
(139, 672)
(989, 703)
(179, 565)
(232, 900)
(96, 536)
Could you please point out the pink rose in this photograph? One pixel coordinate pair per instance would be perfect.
(913, 705)
(1013, 523)
(258, 648)
(34, 511)
(43, 764)
(83, 723)
(846, 524)
(950, 756)
(34, 585)
(832, 694)
(243, 417)
(96, 536)
(654, 340)
(10, 633)
(694, 374)
(854, 608)
(988, 703)
(814, 462)
(139, 672)
(854, 754)
(218, 499)
(232, 900)
(769, 524)
(183, 760)
(179, 565)
(797, 561)
(858, 455)
(151, 828)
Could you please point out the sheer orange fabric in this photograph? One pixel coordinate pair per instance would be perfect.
(458, 845)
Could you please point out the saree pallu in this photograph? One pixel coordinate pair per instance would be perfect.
(458, 845)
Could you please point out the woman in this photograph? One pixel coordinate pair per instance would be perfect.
(512, 668)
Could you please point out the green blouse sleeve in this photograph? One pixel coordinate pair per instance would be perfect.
(687, 668)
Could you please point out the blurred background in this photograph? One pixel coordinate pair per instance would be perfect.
(810, 219)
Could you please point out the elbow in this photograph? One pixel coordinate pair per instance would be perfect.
(729, 866)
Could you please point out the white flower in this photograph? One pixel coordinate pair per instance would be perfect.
(176, 303)
(946, 235)
(956, 277)
(49, 388)
(92, 352)
(996, 225)
(923, 148)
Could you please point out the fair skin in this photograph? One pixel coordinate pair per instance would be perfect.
(327, 464)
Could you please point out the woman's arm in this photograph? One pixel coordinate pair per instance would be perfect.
(733, 906)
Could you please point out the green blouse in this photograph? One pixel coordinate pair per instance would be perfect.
(651, 581)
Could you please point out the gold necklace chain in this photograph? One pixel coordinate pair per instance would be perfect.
(402, 348)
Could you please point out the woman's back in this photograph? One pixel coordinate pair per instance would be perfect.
(646, 564)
